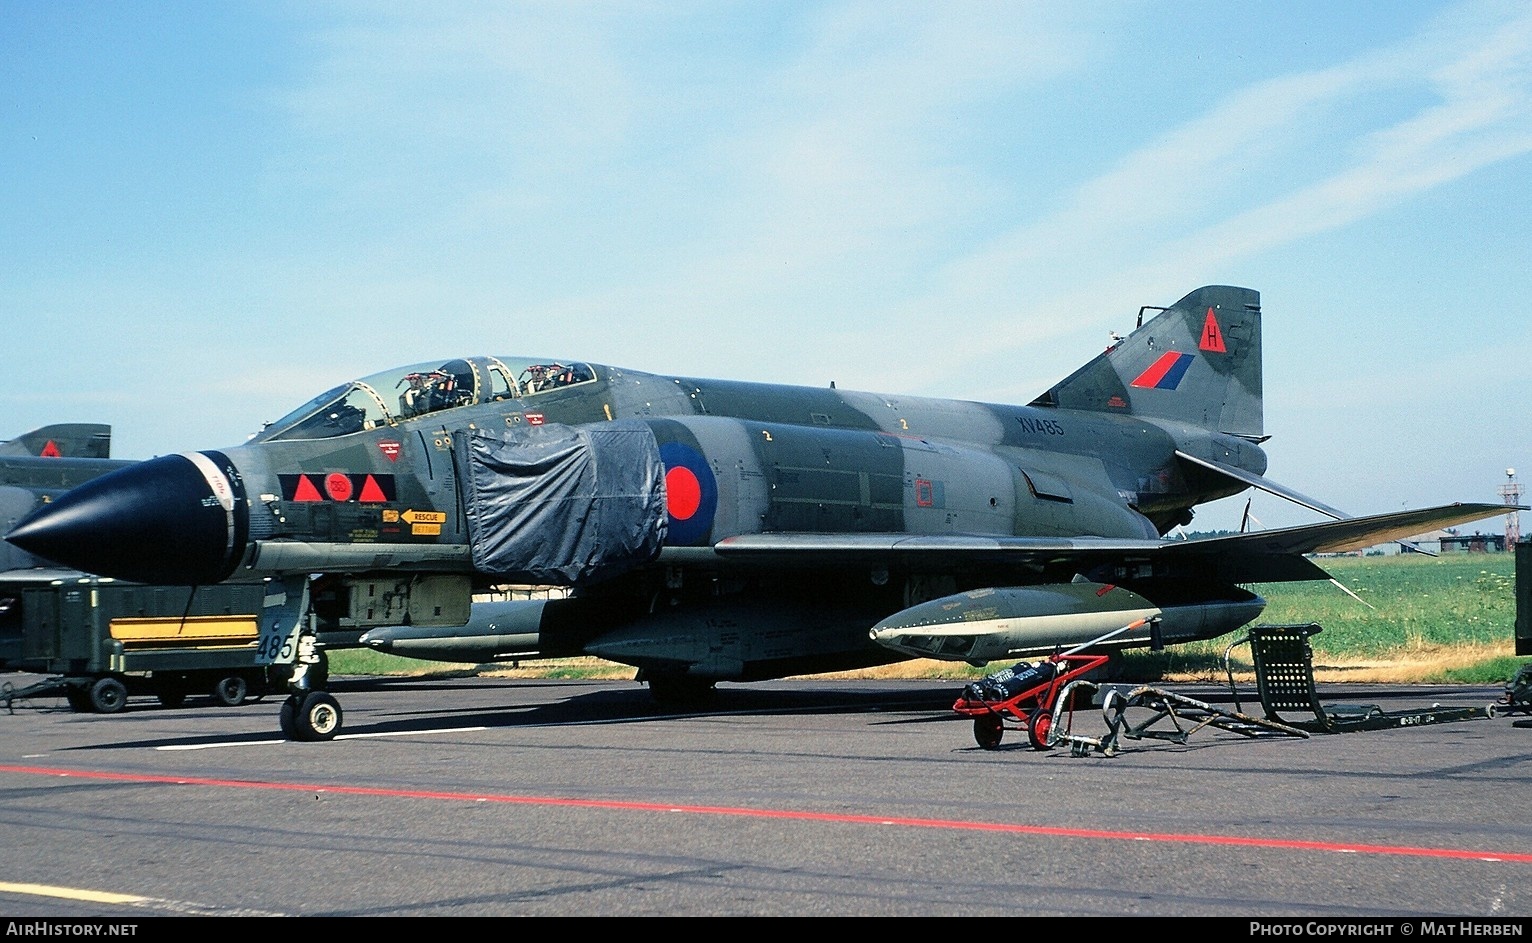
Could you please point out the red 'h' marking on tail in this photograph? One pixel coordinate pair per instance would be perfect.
(1212, 337)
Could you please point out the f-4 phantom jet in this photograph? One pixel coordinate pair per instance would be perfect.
(709, 530)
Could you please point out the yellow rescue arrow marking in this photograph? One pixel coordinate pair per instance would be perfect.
(423, 517)
(424, 523)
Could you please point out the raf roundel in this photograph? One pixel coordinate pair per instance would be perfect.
(683, 493)
(691, 494)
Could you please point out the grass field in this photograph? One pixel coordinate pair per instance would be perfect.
(1427, 619)
(1447, 619)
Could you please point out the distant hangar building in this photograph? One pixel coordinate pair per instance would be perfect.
(1473, 543)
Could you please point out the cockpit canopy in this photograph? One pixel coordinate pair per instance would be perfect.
(404, 393)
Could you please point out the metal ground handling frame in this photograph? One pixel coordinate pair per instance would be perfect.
(1284, 675)
(1185, 716)
(48, 687)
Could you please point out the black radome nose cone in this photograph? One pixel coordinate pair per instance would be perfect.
(175, 520)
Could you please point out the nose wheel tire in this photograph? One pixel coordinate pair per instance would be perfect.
(310, 717)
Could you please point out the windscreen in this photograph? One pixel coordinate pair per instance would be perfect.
(405, 393)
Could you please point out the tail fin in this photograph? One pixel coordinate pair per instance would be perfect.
(63, 440)
(1197, 362)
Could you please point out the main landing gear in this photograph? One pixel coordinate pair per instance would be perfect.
(677, 690)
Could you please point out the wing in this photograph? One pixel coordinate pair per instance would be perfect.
(1352, 533)
(930, 550)
(1265, 556)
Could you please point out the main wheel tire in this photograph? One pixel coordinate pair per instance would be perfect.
(230, 691)
(988, 731)
(680, 691)
(315, 716)
(108, 696)
(1038, 727)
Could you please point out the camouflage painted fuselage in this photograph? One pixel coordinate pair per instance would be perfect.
(711, 528)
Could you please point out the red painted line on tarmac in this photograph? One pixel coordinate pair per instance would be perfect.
(1242, 841)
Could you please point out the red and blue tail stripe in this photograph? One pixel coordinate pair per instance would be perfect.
(1166, 372)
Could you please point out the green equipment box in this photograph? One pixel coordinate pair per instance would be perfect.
(103, 641)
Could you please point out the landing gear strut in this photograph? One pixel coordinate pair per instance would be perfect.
(288, 635)
(678, 690)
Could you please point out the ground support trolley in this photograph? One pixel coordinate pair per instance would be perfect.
(100, 642)
(1025, 697)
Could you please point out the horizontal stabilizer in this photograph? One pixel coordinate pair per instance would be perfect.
(1264, 484)
(1282, 491)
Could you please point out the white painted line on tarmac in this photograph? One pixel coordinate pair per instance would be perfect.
(345, 736)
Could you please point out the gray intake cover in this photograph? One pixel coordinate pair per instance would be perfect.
(561, 505)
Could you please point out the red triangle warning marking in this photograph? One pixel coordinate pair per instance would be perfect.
(306, 490)
(51, 450)
(371, 492)
(1212, 336)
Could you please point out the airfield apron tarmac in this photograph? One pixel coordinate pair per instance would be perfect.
(491, 796)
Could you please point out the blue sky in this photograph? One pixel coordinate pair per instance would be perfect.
(210, 212)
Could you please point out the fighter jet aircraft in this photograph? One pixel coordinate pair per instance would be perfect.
(40, 465)
(63, 440)
(35, 468)
(709, 530)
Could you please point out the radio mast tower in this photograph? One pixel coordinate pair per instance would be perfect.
(1511, 491)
